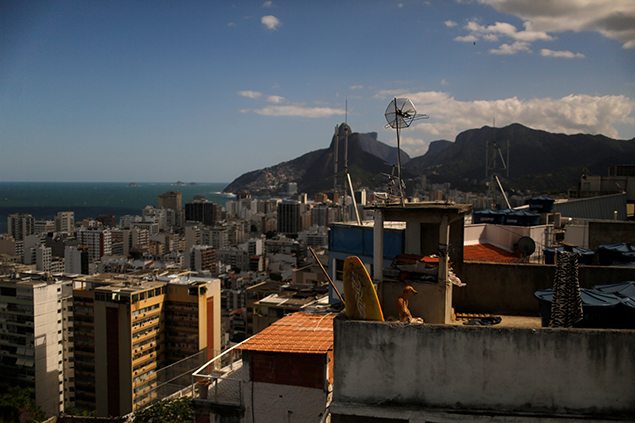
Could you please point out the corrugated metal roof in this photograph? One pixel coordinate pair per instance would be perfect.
(600, 207)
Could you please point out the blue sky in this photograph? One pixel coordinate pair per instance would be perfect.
(205, 91)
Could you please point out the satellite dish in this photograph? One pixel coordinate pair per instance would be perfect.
(525, 246)
(400, 113)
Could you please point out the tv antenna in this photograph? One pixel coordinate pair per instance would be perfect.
(399, 114)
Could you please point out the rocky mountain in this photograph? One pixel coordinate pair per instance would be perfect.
(313, 172)
(538, 161)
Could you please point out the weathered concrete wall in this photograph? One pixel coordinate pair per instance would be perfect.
(283, 403)
(610, 233)
(509, 288)
(513, 370)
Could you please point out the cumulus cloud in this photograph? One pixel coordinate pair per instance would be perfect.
(519, 40)
(513, 48)
(250, 94)
(561, 54)
(276, 99)
(612, 18)
(270, 22)
(268, 4)
(575, 113)
(466, 38)
(296, 111)
(450, 23)
(507, 30)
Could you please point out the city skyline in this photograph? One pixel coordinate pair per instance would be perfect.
(205, 91)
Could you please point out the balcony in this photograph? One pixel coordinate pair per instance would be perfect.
(220, 382)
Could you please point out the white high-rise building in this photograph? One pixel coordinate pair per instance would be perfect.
(29, 244)
(97, 241)
(65, 222)
(43, 258)
(192, 236)
(43, 226)
(75, 260)
(35, 350)
(20, 225)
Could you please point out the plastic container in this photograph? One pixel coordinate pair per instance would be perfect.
(585, 256)
(541, 204)
(600, 310)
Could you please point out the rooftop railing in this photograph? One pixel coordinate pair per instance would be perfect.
(219, 380)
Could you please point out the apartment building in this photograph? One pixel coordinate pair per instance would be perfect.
(129, 328)
(35, 346)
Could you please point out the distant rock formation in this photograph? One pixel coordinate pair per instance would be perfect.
(539, 161)
(313, 172)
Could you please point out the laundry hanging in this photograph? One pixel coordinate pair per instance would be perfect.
(566, 308)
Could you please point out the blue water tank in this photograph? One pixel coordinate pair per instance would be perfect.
(488, 216)
(541, 204)
(521, 218)
(585, 256)
(618, 254)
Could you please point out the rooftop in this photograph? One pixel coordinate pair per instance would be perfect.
(296, 333)
(488, 253)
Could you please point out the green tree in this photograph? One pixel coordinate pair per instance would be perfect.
(18, 405)
(175, 410)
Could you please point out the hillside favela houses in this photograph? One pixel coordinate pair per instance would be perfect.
(493, 304)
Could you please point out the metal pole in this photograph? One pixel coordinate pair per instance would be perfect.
(336, 162)
(398, 156)
(502, 191)
(326, 274)
(350, 184)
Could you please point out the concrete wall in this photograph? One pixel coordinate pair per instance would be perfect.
(509, 288)
(283, 403)
(502, 370)
(610, 233)
(47, 349)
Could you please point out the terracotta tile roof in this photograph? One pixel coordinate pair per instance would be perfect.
(489, 253)
(295, 333)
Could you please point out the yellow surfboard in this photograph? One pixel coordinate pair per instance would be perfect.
(359, 292)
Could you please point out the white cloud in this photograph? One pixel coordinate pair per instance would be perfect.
(450, 23)
(612, 18)
(466, 38)
(575, 113)
(268, 4)
(270, 22)
(296, 111)
(561, 54)
(231, 24)
(510, 49)
(356, 87)
(444, 82)
(250, 94)
(520, 40)
(275, 99)
(507, 30)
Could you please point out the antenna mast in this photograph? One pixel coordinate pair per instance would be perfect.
(400, 113)
(336, 163)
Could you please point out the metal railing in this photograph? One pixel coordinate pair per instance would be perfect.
(219, 380)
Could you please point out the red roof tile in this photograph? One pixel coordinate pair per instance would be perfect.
(489, 253)
(295, 333)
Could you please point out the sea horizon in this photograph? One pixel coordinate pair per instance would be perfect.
(91, 199)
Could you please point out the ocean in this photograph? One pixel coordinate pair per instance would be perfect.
(91, 199)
